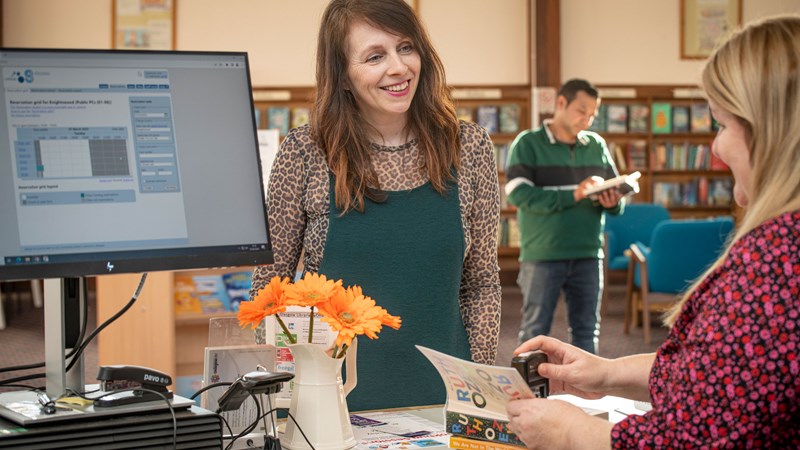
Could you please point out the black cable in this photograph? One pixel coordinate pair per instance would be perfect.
(251, 427)
(108, 322)
(300, 430)
(210, 386)
(230, 430)
(22, 378)
(78, 350)
(72, 351)
(295, 424)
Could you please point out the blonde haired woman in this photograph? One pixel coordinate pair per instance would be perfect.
(727, 375)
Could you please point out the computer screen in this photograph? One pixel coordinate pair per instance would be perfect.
(127, 161)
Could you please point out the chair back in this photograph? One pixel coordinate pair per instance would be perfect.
(635, 224)
(680, 250)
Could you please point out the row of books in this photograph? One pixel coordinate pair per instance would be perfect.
(684, 156)
(501, 156)
(211, 294)
(508, 232)
(495, 119)
(631, 157)
(663, 119)
(283, 118)
(698, 192)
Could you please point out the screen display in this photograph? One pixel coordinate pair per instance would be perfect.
(125, 161)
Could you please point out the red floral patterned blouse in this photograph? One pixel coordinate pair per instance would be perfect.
(727, 375)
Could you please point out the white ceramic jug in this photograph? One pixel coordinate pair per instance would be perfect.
(318, 399)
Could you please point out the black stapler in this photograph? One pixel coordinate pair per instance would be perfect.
(140, 384)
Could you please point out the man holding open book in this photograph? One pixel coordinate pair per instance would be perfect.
(560, 226)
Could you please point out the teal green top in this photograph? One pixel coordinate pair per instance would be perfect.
(542, 175)
(406, 254)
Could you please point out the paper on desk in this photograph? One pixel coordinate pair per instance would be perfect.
(396, 430)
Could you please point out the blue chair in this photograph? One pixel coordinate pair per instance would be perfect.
(679, 252)
(635, 224)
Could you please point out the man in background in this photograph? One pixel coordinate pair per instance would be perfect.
(560, 227)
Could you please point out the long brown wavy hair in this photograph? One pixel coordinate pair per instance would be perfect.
(337, 124)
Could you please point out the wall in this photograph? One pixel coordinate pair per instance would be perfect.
(280, 35)
(635, 41)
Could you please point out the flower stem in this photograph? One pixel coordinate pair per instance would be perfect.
(285, 330)
(344, 349)
(311, 325)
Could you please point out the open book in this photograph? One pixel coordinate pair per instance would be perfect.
(625, 184)
(476, 397)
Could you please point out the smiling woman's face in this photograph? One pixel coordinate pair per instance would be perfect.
(383, 72)
(730, 145)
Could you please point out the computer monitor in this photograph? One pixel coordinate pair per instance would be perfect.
(118, 161)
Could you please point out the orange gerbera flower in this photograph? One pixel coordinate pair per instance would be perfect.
(311, 290)
(388, 319)
(350, 315)
(271, 299)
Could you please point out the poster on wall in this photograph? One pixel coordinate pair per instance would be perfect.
(707, 23)
(144, 24)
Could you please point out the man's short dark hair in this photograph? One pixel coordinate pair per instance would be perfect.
(571, 88)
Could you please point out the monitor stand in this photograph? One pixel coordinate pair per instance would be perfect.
(64, 301)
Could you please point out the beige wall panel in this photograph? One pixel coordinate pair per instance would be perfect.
(635, 41)
(480, 41)
(59, 24)
(280, 36)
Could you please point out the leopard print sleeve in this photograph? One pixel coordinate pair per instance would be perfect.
(479, 192)
(286, 215)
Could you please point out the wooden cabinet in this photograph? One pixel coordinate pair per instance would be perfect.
(150, 334)
(665, 132)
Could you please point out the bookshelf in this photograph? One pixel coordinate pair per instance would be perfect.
(504, 111)
(665, 132)
(282, 108)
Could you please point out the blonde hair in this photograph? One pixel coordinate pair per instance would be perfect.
(755, 76)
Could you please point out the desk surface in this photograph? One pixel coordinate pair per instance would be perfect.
(431, 418)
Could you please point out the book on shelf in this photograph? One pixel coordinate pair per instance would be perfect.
(300, 116)
(700, 118)
(477, 395)
(205, 294)
(501, 156)
(464, 113)
(626, 185)
(509, 118)
(237, 286)
(617, 119)
(487, 117)
(637, 154)
(618, 155)
(658, 158)
(661, 118)
(697, 192)
(638, 118)
(257, 117)
(680, 119)
(278, 119)
(599, 122)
